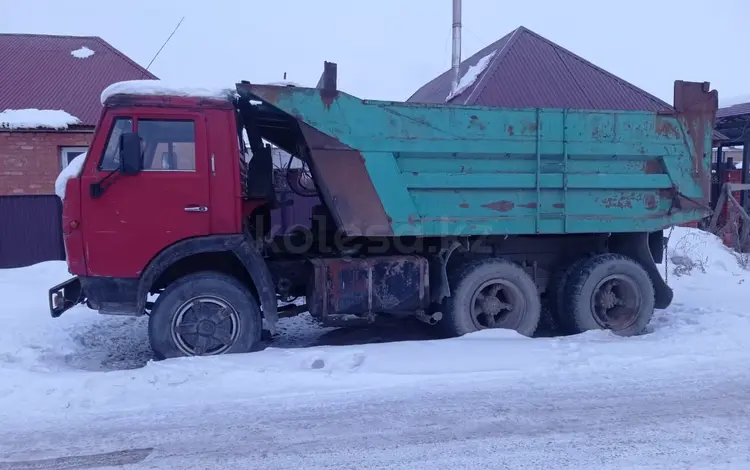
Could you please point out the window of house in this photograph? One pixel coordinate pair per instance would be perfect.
(67, 154)
(168, 145)
(111, 159)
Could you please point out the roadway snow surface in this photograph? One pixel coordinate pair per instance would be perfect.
(84, 367)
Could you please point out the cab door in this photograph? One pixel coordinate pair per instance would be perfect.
(136, 217)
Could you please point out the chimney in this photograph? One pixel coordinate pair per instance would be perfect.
(456, 55)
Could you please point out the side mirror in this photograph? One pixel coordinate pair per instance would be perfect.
(131, 158)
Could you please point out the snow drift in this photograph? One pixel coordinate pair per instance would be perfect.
(45, 363)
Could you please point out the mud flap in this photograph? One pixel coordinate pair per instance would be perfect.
(638, 247)
(249, 254)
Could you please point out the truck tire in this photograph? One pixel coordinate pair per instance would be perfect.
(608, 291)
(204, 314)
(556, 295)
(491, 293)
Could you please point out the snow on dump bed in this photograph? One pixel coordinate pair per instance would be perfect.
(73, 170)
(471, 75)
(164, 88)
(33, 118)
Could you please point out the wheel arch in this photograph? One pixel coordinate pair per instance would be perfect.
(641, 247)
(237, 255)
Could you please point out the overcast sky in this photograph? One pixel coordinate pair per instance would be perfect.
(386, 49)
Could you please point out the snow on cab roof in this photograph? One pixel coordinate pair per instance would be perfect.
(33, 118)
(160, 87)
(163, 88)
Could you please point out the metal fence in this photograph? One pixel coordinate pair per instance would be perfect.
(30, 230)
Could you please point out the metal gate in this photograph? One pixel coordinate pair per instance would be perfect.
(30, 230)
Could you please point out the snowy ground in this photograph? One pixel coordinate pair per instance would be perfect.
(81, 390)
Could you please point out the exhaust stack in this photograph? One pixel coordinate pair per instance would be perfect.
(456, 55)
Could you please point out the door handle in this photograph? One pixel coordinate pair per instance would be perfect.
(196, 209)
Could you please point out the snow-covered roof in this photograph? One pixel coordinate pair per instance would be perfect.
(36, 118)
(471, 75)
(164, 88)
(43, 71)
(82, 53)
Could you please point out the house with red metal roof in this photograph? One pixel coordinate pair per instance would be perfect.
(50, 89)
(49, 103)
(523, 69)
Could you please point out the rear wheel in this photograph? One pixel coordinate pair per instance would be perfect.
(204, 314)
(609, 291)
(555, 295)
(491, 293)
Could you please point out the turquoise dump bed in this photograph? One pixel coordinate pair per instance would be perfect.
(390, 168)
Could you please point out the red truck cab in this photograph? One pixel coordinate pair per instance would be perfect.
(171, 199)
(125, 223)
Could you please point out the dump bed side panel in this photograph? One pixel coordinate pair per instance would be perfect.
(449, 170)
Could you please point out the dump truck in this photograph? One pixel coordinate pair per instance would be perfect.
(465, 217)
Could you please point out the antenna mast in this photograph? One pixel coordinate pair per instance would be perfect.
(165, 43)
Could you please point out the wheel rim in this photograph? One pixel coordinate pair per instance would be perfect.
(616, 301)
(493, 303)
(205, 326)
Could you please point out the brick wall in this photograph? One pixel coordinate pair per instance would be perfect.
(30, 160)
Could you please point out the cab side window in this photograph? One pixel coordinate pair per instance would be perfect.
(110, 160)
(168, 145)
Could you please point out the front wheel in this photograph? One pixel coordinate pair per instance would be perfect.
(204, 314)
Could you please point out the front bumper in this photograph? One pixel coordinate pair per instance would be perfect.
(65, 296)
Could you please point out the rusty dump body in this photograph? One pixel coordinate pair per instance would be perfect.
(396, 169)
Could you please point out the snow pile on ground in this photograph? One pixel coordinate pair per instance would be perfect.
(36, 118)
(55, 366)
(82, 53)
(471, 75)
(160, 87)
(73, 170)
(692, 250)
